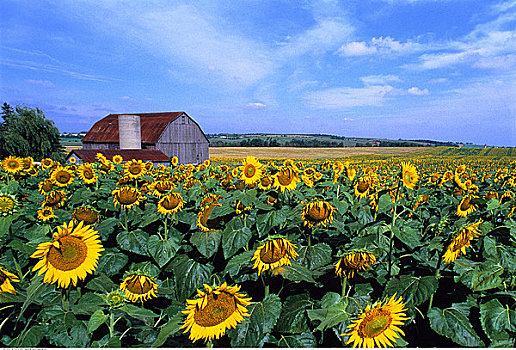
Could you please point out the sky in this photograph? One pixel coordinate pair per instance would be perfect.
(411, 69)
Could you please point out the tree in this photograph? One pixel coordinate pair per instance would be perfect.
(26, 132)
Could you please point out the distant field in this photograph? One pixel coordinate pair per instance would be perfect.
(307, 153)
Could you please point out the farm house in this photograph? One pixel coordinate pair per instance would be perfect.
(172, 133)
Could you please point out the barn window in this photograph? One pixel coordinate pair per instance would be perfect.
(183, 121)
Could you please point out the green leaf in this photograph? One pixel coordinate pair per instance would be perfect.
(36, 292)
(101, 284)
(134, 241)
(295, 273)
(137, 312)
(5, 224)
(497, 319)
(238, 262)
(385, 203)
(88, 304)
(453, 324)
(410, 236)
(253, 330)
(293, 316)
(29, 338)
(96, 320)
(234, 237)
(207, 243)
(190, 275)
(163, 250)
(487, 278)
(112, 262)
(315, 256)
(303, 340)
(335, 314)
(414, 290)
(106, 227)
(170, 328)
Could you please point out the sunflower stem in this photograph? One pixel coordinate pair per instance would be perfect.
(209, 344)
(391, 241)
(111, 323)
(344, 281)
(165, 227)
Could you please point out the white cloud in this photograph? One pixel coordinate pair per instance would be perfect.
(380, 79)
(381, 45)
(418, 92)
(256, 105)
(43, 83)
(438, 80)
(356, 49)
(345, 97)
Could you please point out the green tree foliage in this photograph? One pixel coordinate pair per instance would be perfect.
(26, 132)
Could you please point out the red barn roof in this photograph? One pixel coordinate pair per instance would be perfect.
(153, 155)
(152, 125)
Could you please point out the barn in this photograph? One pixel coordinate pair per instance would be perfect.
(172, 133)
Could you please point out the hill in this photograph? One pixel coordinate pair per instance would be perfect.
(481, 152)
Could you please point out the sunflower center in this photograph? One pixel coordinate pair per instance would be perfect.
(170, 202)
(219, 307)
(88, 174)
(62, 176)
(205, 215)
(465, 204)
(285, 177)
(127, 197)
(71, 253)
(266, 181)
(135, 169)
(13, 164)
(137, 286)
(163, 187)
(3, 277)
(47, 186)
(53, 198)
(363, 186)
(6, 204)
(249, 170)
(317, 212)
(87, 215)
(407, 177)
(375, 323)
(271, 254)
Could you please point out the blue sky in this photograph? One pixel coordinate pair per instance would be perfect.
(410, 69)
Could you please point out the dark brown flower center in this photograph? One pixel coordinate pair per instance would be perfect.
(285, 177)
(374, 323)
(135, 285)
(249, 170)
(89, 216)
(127, 196)
(170, 202)
(219, 307)
(71, 253)
(465, 205)
(271, 254)
(63, 176)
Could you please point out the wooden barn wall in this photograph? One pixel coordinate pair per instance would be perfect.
(185, 140)
(95, 145)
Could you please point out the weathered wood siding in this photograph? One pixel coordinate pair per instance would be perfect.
(184, 139)
(99, 145)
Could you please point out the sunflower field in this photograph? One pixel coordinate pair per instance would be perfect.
(392, 251)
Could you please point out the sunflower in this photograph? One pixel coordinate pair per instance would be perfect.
(251, 170)
(265, 182)
(87, 174)
(135, 169)
(117, 159)
(214, 311)
(171, 203)
(5, 281)
(62, 176)
(73, 253)
(106, 166)
(174, 161)
(13, 164)
(45, 186)
(317, 213)
(46, 214)
(240, 208)
(54, 199)
(274, 253)
(490, 195)
(378, 324)
(355, 261)
(72, 160)
(160, 188)
(127, 196)
(351, 173)
(506, 196)
(461, 241)
(465, 207)
(8, 204)
(204, 223)
(409, 175)
(286, 179)
(28, 163)
(139, 285)
(86, 214)
(362, 187)
(47, 163)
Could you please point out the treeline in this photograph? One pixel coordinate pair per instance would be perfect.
(309, 142)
